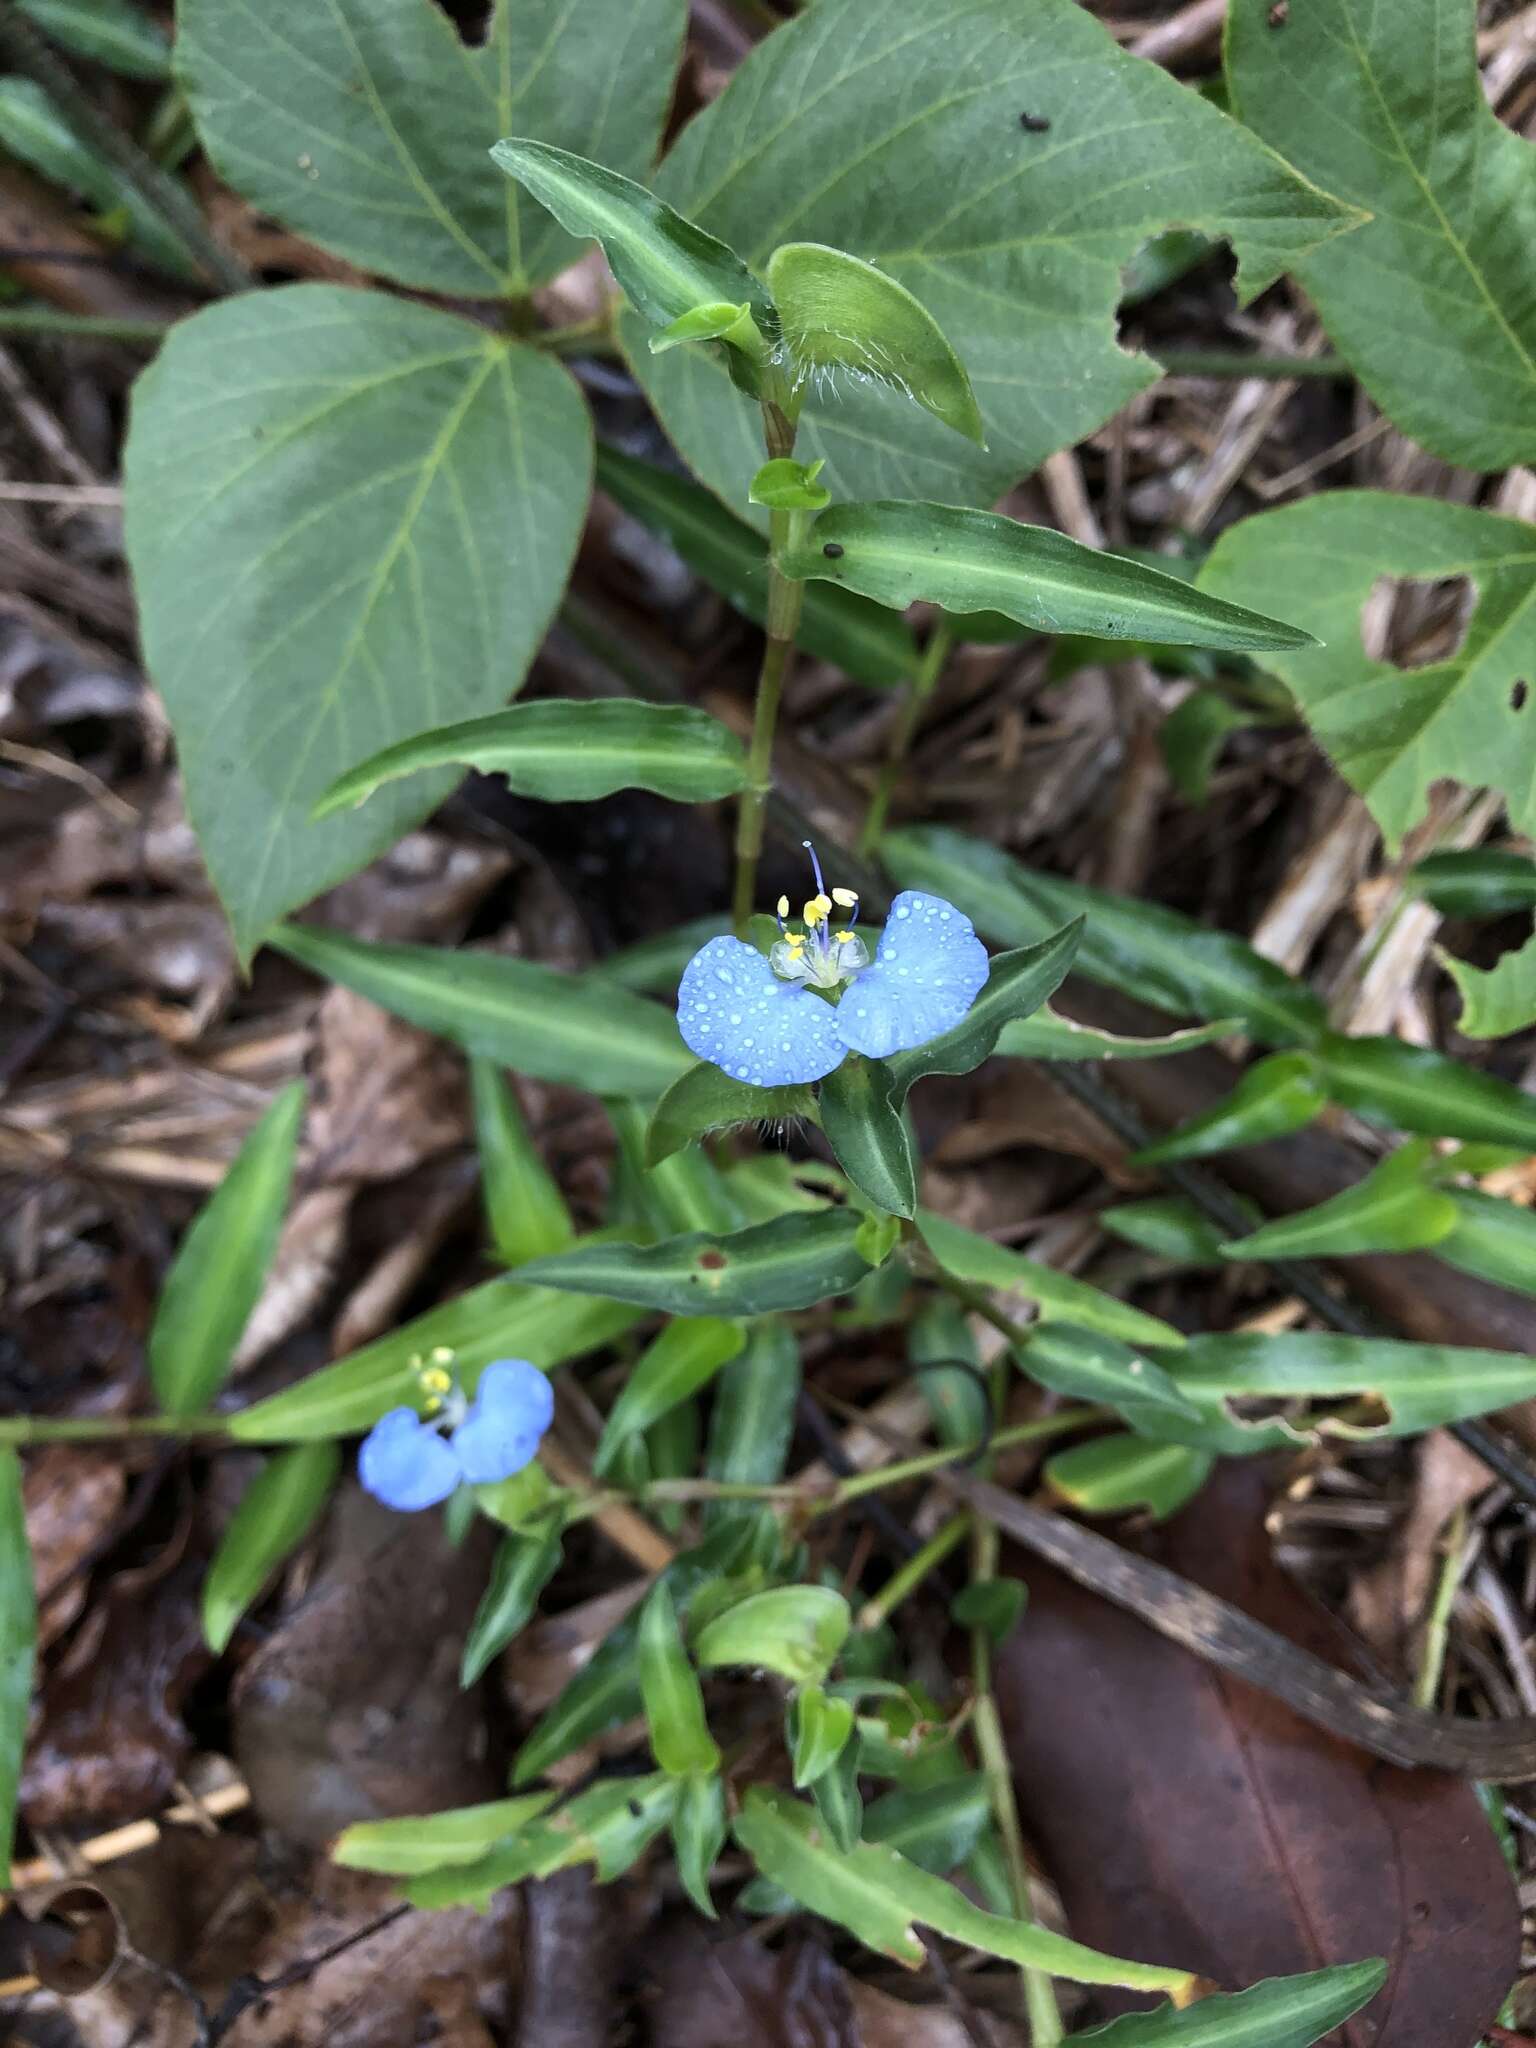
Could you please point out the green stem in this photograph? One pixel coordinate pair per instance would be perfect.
(1213, 362)
(780, 412)
(901, 1584)
(85, 326)
(919, 690)
(1437, 1628)
(1041, 2009)
(95, 1429)
(23, 48)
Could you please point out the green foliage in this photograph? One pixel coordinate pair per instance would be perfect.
(113, 33)
(610, 1825)
(1494, 1239)
(1277, 1096)
(1428, 299)
(790, 1263)
(1478, 881)
(276, 1512)
(820, 1727)
(1011, 240)
(1499, 1000)
(524, 1566)
(1057, 1296)
(864, 639)
(1390, 733)
(870, 1138)
(219, 1271)
(1418, 1089)
(1280, 2012)
(899, 552)
(420, 1842)
(670, 1690)
(556, 1027)
(707, 1099)
(302, 467)
(1045, 1036)
(684, 1358)
(364, 124)
(796, 1631)
(524, 1208)
(32, 129)
(934, 1826)
(18, 1641)
(1112, 1473)
(1016, 986)
(1090, 1366)
(699, 1830)
(1391, 1210)
(567, 753)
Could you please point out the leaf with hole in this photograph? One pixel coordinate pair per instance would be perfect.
(900, 551)
(1391, 732)
(556, 1027)
(1498, 1000)
(567, 753)
(222, 1264)
(863, 125)
(364, 125)
(792, 1263)
(864, 639)
(1428, 300)
(347, 515)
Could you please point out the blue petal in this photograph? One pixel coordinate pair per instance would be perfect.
(405, 1464)
(733, 1010)
(929, 969)
(513, 1406)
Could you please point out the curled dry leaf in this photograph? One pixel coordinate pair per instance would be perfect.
(1181, 1812)
(352, 1709)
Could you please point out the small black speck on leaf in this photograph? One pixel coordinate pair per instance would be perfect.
(1280, 13)
(1034, 124)
(833, 551)
(1518, 696)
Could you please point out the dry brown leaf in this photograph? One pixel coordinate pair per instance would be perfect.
(383, 1096)
(72, 1495)
(1387, 1602)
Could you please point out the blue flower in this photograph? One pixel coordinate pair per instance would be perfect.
(409, 1462)
(794, 1016)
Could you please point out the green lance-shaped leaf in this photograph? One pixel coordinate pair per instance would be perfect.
(796, 1631)
(1478, 881)
(946, 1365)
(1496, 1000)
(1280, 2012)
(364, 124)
(218, 1272)
(1115, 1473)
(381, 501)
(523, 1567)
(935, 1826)
(1414, 1088)
(820, 1724)
(416, 1843)
(1016, 986)
(675, 1365)
(791, 1263)
(753, 1417)
(112, 33)
(606, 1691)
(784, 485)
(1192, 736)
(32, 128)
(699, 1829)
(667, 265)
(1089, 1366)
(866, 640)
(684, 1191)
(669, 1686)
(1390, 735)
(880, 1897)
(1493, 1238)
(1057, 1296)
(835, 1795)
(524, 1208)
(1140, 948)
(1427, 300)
(276, 1513)
(837, 312)
(1172, 1227)
(1278, 1095)
(707, 1099)
(18, 1642)
(1391, 1210)
(1361, 1387)
(556, 1027)
(1047, 1036)
(609, 1825)
(498, 1319)
(567, 753)
(901, 551)
(870, 1139)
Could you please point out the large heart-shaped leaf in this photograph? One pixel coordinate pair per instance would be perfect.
(364, 124)
(895, 133)
(349, 517)
(1431, 302)
(1392, 732)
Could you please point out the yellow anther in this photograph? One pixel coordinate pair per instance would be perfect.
(846, 897)
(440, 1354)
(844, 937)
(783, 906)
(796, 943)
(435, 1380)
(817, 910)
